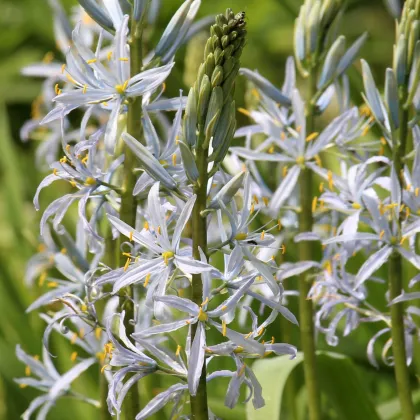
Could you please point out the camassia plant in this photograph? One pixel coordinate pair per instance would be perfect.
(175, 266)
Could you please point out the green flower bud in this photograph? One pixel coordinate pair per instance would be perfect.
(190, 119)
(213, 112)
(217, 76)
(203, 98)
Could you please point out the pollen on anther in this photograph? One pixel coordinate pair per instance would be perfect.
(127, 263)
(73, 356)
(147, 279)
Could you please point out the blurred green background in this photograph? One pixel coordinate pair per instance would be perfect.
(26, 36)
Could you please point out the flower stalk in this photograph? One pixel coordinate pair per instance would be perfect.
(210, 117)
(395, 280)
(306, 248)
(128, 201)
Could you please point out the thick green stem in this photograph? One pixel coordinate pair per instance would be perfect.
(395, 276)
(128, 203)
(306, 253)
(199, 409)
(402, 376)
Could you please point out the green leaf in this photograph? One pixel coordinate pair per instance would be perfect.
(391, 409)
(339, 381)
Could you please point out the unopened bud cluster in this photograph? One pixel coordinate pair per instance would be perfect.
(210, 111)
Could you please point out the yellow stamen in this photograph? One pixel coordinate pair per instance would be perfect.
(244, 111)
(125, 59)
(298, 128)
(265, 201)
(63, 159)
(163, 87)
(57, 89)
(93, 60)
(67, 148)
(83, 307)
(178, 350)
(73, 356)
(271, 149)
(21, 386)
(27, 371)
(127, 263)
(312, 136)
(98, 332)
(416, 192)
(364, 110)
(314, 203)
(283, 249)
(159, 230)
(63, 251)
(174, 159)
(262, 235)
(147, 279)
(381, 234)
(283, 135)
(84, 88)
(224, 307)
(103, 368)
(365, 130)
(206, 301)
(284, 171)
(82, 333)
(383, 141)
(109, 55)
(74, 337)
(52, 284)
(224, 328)
(63, 67)
(167, 256)
(403, 240)
(70, 79)
(356, 206)
(252, 209)
(73, 184)
(261, 331)
(278, 224)
(242, 370)
(55, 171)
(42, 278)
(48, 57)
(321, 187)
(330, 180)
(255, 198)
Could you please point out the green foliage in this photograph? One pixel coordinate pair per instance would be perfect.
(341, 384)
(26, 36)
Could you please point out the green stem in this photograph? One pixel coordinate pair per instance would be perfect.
(402, 376)
(306, 253)
(199, 409)
(128, 203)
(395, 274)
